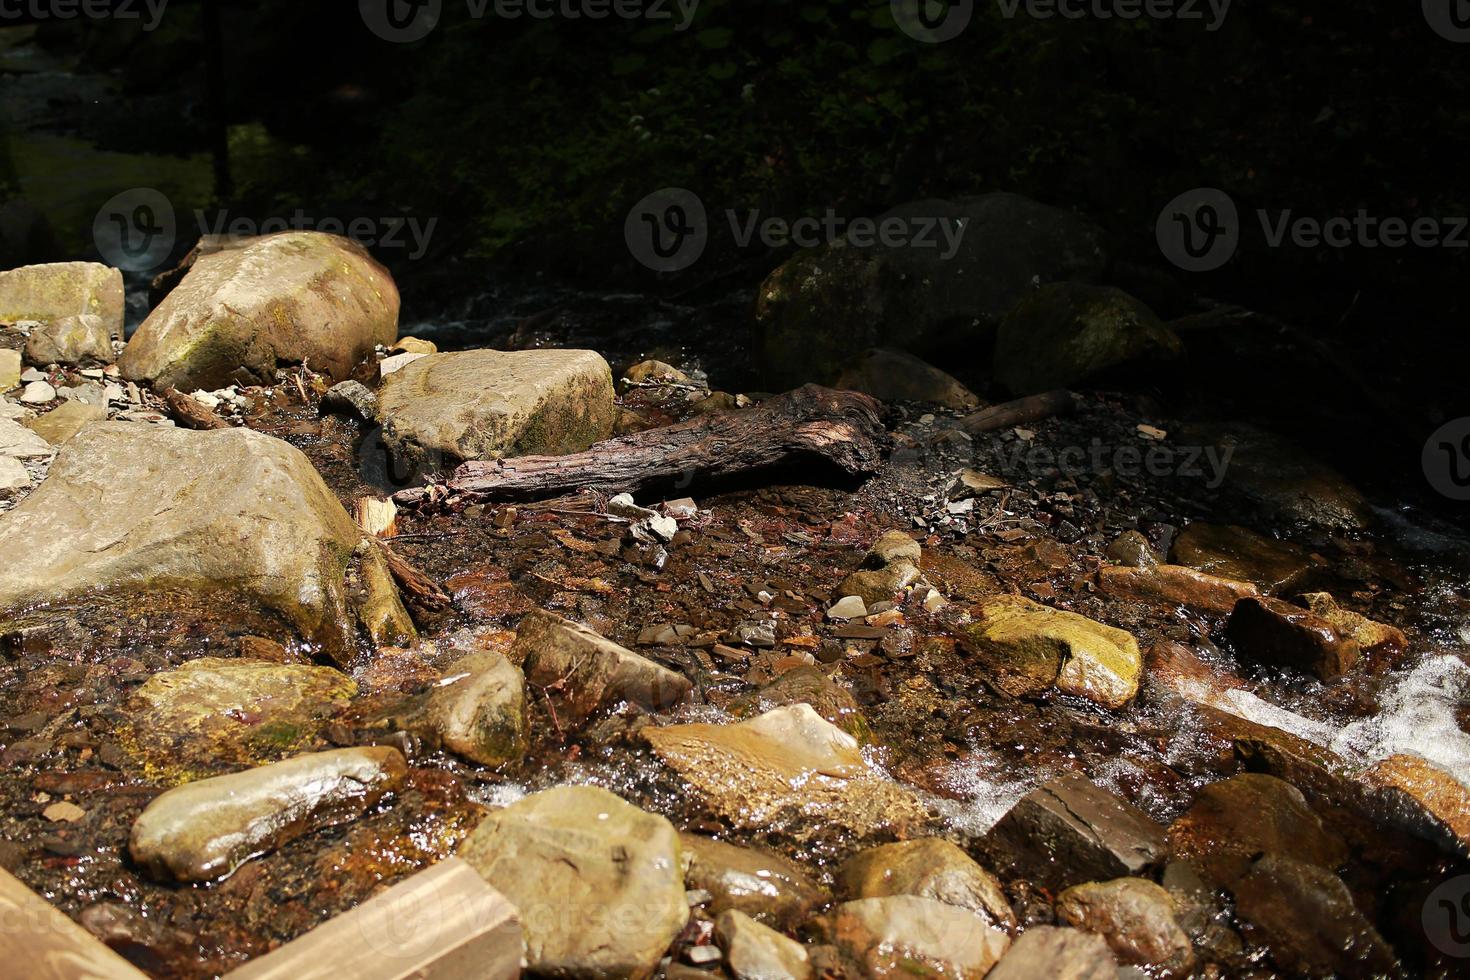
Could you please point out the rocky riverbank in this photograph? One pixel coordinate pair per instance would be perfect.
(1096, 692)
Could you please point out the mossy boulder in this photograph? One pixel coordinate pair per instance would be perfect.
(71, 340)
(62, 289)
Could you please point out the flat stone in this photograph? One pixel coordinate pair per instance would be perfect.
(758, 952)
(204, 830)
(1069, 831)
(882, 584)
(849, 607)
(71, 340)
(1176, 585)
(240, 313)
(930, 868)
(353, 399)
(62, 423)
(1438, 793)
(486, 404)
(1056, 954)
(904, 935)
(1234, 820)
(19, 442)
(807, 685)
(590, 671)
(1241, 554)
(13, 475)
(1137, 920)
(1030, 648)
(38, 393)
(9, 369)
(756, 883)
(893, 375)
(1273, 631)
(479, 709)
(654, 371)
(244, 712)
(61, 289)
(596, 880)
(229, 523)
(788, 768)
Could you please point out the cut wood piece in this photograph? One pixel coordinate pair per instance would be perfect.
(376, 517)
(190, 413)
(445, 923)
(420, 590)
(43, 944)
(1032, 408)
(810, 424)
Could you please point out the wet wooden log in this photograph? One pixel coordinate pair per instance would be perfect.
(190, 413)
(1032, 408)
(841, 429)
(40, 943)
(420, 591)
(445, 923)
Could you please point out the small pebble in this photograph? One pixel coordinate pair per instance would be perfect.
(848, 607)
(38, 393)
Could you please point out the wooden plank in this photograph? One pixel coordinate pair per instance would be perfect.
(445, 923)
(39, 942)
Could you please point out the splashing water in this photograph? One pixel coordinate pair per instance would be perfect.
(1418, 718)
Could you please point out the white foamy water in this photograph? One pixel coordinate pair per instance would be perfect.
(988, 794)
(1418, 718)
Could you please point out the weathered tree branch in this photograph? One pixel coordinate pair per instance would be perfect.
(1032, 408)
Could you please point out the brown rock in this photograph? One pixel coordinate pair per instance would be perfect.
(807, 685)
(1436, 791)
(1175, 584)
(1241, 554)
(66, 420)
(758, 952)
(929, 868)
(904, 935)
(1049, 953)
(1135, 917)
(1276, 632)
(1382, 643)
(762, 885)
(891, 375)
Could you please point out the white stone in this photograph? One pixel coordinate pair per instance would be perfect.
(21, 443)
(397, 362)
(38, 393)
(848, 607)
(32, 374)
(13, 475)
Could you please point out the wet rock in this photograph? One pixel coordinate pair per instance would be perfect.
(212, 711)
(241, 313)
(488, 404)
(9, 369)
(929, 868)
(1070, 831)
(479, 709)
(757, 883)
(758, 952)
(1056, 954)
(893, 376)
(1234, 820)
(1440, 795)
(203, 830)
(848, 607)
(1135, 917)
(59, 425)
(789, 769)
(904, 935)
(1241, 554)
(38, 393)
(1031, 648)
(1274, 631)
(654, 371)
(20, 442)
(807, 685)
(880, 585)
(63, 289)
(825, 303)
(1132, 550)
(1306, 917)
(589, 672)
(1378, 641)
(71, 340)
(352, 399)
(13, 475)
(1174, 584)
(893, 548)
(1067, 332)
(596, 880)
(231, 522)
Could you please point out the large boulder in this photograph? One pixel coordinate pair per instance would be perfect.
(788, 768)
(231, 527)
(596, 880)
(892, 375)
(478, 710)
(1029, 648)
(62, 289)
(204, 830)
(827, 304)
(286, 299)
(71, 340)
(443, 409)
(1067, 332)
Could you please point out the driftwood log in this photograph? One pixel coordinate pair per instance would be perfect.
(842, 429)
(1032, 408)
